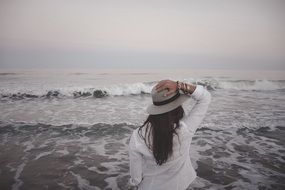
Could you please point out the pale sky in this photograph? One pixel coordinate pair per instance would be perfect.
(142, 34)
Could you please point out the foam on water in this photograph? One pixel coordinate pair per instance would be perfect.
(45, 90)
(74, 134)
(18, 181)
(96, 157)
(252, 85)
(83, 183)
(252, 109)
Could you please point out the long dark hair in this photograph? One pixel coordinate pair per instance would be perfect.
(162, 127)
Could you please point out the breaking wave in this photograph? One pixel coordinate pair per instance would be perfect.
(139, 89)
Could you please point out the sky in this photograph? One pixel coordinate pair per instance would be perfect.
(229, 34)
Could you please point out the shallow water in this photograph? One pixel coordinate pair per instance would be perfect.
(95, 157)
(67, 141)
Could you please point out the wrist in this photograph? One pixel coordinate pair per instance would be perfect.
(185, 88)
(180, 85)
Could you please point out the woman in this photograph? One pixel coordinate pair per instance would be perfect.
(159, 149)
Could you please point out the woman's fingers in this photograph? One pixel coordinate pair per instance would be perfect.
(169, 92)
(166, 84)
(161, 85)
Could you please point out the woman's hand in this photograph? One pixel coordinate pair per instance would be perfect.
(170, 85)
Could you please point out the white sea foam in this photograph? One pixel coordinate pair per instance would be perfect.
(29, 145)
(231, 150)
(252, 85)
(84, 184)
(18, 182)
(43, 154)
(63, 152)
(126, 89)
(112, 183)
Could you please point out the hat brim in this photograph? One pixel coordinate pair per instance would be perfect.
(155, 110)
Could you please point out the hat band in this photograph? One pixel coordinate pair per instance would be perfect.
(168, 100)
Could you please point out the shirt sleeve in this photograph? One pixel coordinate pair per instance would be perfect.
(194, 118)
(136, 160)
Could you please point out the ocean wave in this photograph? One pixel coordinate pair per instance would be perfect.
(259, 85)
(99, 92)
(139, 89)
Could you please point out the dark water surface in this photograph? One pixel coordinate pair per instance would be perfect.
(43, 156)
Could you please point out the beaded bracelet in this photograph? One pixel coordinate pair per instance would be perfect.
(186, 89)
(183, 87)
(177, 85)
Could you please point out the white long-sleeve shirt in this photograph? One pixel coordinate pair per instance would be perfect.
(177, 173)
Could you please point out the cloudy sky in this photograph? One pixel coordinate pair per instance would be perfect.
(238, 34)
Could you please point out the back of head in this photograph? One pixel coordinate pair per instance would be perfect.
(162, 127)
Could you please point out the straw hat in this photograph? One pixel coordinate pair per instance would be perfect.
(162, 104)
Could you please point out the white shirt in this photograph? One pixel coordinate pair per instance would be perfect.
(177, 173)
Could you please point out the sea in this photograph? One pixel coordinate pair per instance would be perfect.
(70, 128)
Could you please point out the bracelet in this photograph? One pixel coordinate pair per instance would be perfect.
(183, 87)
(186, 88)
(178, 86)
